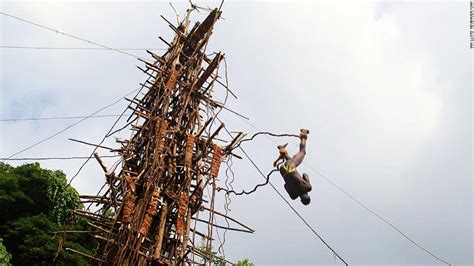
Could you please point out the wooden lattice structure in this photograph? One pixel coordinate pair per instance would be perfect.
(144, 215)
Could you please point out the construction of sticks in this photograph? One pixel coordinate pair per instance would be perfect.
(145, 211)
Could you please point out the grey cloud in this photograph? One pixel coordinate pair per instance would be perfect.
(384, 89)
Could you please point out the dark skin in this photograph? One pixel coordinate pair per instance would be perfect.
(296, 185)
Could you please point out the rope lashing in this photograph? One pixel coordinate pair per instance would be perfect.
(150, 212)
(188, 154)
(216, 160)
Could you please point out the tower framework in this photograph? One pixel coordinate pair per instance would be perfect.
(146, 210)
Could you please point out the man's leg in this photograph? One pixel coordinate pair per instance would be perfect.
(299, 157)
(306, 183)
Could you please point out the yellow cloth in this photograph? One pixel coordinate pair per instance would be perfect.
(289, 169)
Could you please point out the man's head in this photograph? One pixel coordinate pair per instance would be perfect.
(305, 199)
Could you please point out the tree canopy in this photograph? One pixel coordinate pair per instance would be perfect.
(5, 256)
(36, 204)
(244, 262)
(219, 260)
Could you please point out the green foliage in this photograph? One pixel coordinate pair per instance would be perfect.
(219, 260)
(64, 198)
(109, 213)
(244, 262)
(5, 256)
(35, 204)
(32, 240)
(22, 193)
(216, 260)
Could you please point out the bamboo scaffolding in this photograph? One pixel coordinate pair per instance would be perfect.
(146, 209)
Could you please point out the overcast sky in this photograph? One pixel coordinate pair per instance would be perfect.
(385, 89)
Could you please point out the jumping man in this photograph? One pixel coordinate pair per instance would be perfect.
(295, 184)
